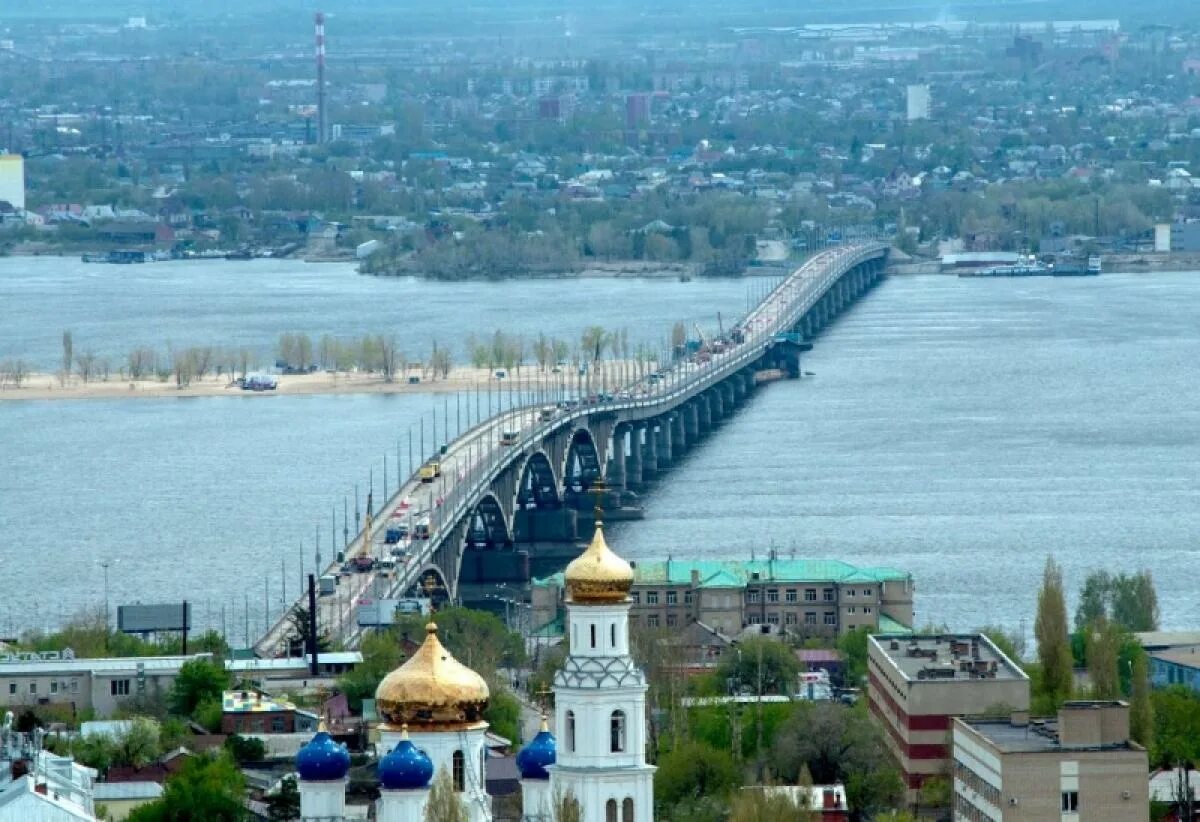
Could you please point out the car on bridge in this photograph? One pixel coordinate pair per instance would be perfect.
(510, 437)
(431, 471)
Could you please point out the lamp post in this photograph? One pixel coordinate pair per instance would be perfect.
(105, 565)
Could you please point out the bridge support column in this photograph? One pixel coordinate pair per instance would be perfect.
(615, 475)
(665, 447)
(691, 421)
(703, 415)
(679, 441)
(650, 452)
(716, 405)
(633, 462)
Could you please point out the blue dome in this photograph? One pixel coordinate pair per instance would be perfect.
(534, 757)
(406, 767)
(322, 759)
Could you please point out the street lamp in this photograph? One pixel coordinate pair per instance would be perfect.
(105, 565)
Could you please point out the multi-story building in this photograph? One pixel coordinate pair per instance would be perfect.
(918, 102)
(99, 685)
(1180, 666)
(918, 684)
(804, 597)
(1080, 766)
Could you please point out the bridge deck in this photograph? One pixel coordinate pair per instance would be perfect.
(473, 460)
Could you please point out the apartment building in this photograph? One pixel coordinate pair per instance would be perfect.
(819, 598)
(918, 684)
(1080, 766)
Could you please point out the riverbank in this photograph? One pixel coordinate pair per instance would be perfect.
(43, 386)
(1113, 264)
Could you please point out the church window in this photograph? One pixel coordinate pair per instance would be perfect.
(571, 731)
(610, 811)
(617, 728)
(627, 810)
(593, 636)
(612, 630)
(460, 771)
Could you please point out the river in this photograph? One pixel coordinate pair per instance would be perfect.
(959, 429)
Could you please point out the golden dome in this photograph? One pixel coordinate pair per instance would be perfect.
(598, 575)
(431, 688)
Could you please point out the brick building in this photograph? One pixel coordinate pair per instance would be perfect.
(918, 684)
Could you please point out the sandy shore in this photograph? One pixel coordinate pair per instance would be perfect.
(41, 386)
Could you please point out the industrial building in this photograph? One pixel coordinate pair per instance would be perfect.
(98, 685)
(820, 598)
(918, 684)
(1081, 765)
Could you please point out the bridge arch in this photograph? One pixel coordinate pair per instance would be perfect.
(538, 486)
(430, 581)
(487, 527)
(581, 466)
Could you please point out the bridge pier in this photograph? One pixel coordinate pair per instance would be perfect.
(650, 452)
(665, 446)
(614, 476)
(691, 422)
(703, 415)
(679, 441)
(633, 463)
(716, 405)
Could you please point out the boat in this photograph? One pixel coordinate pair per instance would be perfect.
(1018, 270)
(1076, 269)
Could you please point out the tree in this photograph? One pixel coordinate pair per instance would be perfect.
(1093, 600)
(760, 804)
(138, 746)
(381, 655)
(443, 804)
(1141, 710)
(440, 361)
(1054, 646)
(565, 808)
(14, 371)
(478, 639)
(1129, 600)
(693, 770)
(593, 341)
(299, 632)
(759, 666)
(208, 787)
(68, 352)
(85, 365)
(284, 805)
(198, 681)
(245, 749)
(853, 647)
(1176, 712)
(1103, 642)
(390, 357)
(1010, 643)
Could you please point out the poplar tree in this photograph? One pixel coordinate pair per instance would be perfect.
(443, 804)
(1103, 648)
(1141, 711)
(1054, 644)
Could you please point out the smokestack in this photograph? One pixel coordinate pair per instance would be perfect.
(312, 624)
(321, 129)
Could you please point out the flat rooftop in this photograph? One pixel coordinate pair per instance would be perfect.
(740, 573)
(946, 657)
(1039, 736)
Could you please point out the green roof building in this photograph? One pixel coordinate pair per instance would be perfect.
(806, 597)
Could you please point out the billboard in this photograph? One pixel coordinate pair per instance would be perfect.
(145, 619)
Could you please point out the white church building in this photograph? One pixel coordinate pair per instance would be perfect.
(433, 705)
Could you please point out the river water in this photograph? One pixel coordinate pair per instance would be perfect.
(958, 429)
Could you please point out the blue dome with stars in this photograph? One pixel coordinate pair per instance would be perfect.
(322, 759)
(406, 767)
(540, 752)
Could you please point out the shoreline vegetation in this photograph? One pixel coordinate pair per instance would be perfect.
(600, 360)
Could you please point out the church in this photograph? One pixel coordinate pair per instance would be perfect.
(432, 710)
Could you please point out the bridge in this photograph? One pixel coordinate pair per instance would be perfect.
(517, 484)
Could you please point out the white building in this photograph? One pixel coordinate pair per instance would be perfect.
(918, 102)
(600, 696)
(12, 180)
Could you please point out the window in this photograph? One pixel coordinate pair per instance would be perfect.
(672, 598)
(571, 731)
(828, 594)
(773, 595)
(810, 618)
(33, 687)
(635, 621)
(850, 610)
(772, 619)
(652, 620)
(1070, 801)
(866, 592)
(830, 618)
(754, 619)
(593, 627)
(74, 686)
(610, 811)
(652, 597)
(612, 635)
(636, 597)
(671, 620)
(12, 687)
(753, 596)
(810, 594)
(789, 619)
(866, 609)
(277, 725)
(460, 771)
(850, 592)
(54, 686)
(627, 810)
(687, 597)
(617, 732)
(790, 596)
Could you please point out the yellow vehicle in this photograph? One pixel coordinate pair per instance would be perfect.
(431, 471)
(510, 437)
